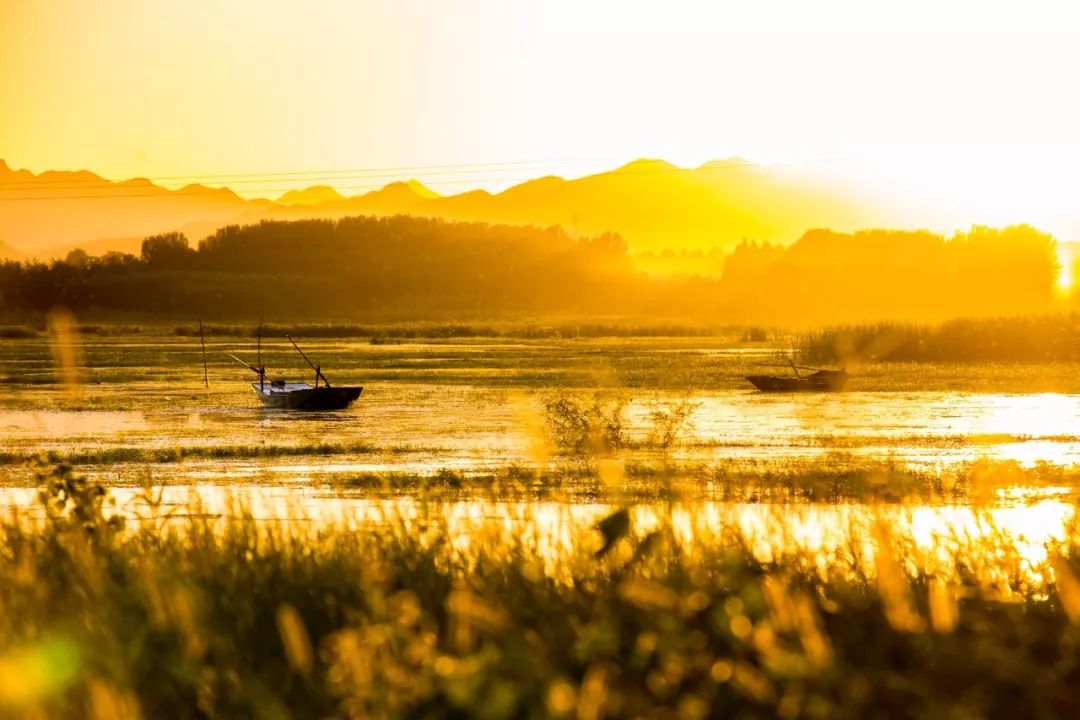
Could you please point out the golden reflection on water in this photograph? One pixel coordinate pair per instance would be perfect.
(918, 428)
(1032, 452)
(474, 426)
(1033, 415)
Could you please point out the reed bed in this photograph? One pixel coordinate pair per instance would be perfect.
(114, 455)
(225, 616)
(443, 331)
(1035, 338)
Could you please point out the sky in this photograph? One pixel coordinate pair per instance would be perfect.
(967, 107)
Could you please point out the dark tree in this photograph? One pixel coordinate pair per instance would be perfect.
(167, 251)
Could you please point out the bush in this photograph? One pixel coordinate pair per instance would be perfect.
(579, 426)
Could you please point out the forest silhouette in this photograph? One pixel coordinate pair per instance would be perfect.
(406, 267)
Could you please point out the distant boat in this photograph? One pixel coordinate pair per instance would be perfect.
(282, 395)
(817, 381)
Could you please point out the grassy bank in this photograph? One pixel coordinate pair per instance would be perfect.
(528, 328)
(227, 617)
(1037, 338)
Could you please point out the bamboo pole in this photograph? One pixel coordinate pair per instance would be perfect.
(262, 368)
(318, 371)
(202, 340)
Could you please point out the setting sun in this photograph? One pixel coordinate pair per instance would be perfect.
(1067, 260)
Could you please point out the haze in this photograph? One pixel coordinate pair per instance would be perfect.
(961, 114)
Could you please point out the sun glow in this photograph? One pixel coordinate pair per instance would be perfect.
(1065, 277)
(592, 84)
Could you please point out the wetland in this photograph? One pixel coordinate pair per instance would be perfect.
(691, 543)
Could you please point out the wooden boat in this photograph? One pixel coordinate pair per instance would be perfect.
(282, 395)
(817, 381)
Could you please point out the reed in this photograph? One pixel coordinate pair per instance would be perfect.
(1035, 338)
(200, 616)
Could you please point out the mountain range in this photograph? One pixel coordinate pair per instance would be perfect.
(652, 204)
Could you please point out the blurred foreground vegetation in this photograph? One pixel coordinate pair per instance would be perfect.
(219, 615)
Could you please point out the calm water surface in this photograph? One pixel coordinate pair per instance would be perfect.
(476, 407)
(420, 428)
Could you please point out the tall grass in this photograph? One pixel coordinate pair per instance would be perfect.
(420, 330)
(1037, 338)
(227, 617)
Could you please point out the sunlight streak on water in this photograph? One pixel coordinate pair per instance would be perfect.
(474, 427)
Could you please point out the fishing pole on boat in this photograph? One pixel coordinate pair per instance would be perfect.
(262, 368)
(258, 371)
(316, 368)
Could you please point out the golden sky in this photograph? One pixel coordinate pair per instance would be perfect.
(970, 107)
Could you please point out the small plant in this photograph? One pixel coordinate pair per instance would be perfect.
(72, 502)
(580, 426)
(671, 420)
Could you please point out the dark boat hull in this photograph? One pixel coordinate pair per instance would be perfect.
(320, 398)
(825, 381)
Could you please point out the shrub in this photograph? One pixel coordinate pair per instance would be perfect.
(580, 426)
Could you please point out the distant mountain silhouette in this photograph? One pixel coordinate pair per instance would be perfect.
(9, 253)
(311, 196)
(67, 209)
(131, 245)
(653, 204)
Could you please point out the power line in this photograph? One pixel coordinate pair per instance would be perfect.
(165, 193)
(232, 178)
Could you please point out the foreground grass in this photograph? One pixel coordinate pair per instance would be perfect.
(227, 617)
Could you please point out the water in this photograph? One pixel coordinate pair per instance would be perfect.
(423, 427)
(478, 407)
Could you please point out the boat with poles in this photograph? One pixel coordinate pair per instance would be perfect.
(282, 395)
(816, 380)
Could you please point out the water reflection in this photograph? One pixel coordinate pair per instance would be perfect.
(476, 426)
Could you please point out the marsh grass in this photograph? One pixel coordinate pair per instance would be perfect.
(390, 333)
(110, 456)
(1037, 338)
(836, 478)
(230, 617)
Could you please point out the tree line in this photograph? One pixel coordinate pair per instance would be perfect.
(407, 267)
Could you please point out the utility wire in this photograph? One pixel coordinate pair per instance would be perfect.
(164, 193)
(230, 178)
